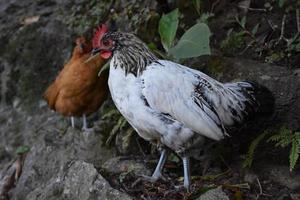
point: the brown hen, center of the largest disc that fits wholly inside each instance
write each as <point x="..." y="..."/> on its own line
<point x="78" y="90"/>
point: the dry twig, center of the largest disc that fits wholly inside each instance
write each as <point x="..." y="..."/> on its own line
<point x="10" y="176"/>
<point x="260" y="190"/>
<point x="282" y="30"/>
<point x="252" y="9"/>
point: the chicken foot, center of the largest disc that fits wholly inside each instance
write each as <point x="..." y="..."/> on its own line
<point x="85" y="124"/>
<point x="157" y="174"/>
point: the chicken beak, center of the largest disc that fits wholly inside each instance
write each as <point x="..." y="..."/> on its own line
<point x="91" y="57"/>
<point x="95" y="51"/>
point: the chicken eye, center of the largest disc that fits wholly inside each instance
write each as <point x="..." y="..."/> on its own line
<point x="106" y="43"/>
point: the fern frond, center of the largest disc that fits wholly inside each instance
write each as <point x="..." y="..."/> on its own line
<point x="275" y="138"/>
<point x="283" y="138"/>
<point x="297" y="137"/>
<point x="249" y="157"/>
<point x="294" y="154"/>
<point x="110" y="113"/>
<point x="284" y="142"/>
<point x="120" y="124"/>
<point x="127" y="138"/>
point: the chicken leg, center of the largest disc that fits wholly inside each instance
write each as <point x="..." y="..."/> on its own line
<point x="72" y="122"/>
<point x="157" y="174"/>
<point x="84" y="122"/>
<point x="186" y="172"/>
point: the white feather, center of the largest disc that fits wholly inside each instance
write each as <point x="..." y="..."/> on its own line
<point x="162" y="104"/>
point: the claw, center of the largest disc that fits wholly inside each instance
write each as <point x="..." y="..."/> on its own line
<point x="154" y="177"/>
<point x="157" y="172"/>
<point x="151" y="179"/>
<point x="87" y="130"/>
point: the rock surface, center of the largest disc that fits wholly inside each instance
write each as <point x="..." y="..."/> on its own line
<point x="214" y="194"/>
<point x="281" y="175"/>
<point x="120" y="165"/>
<point x="55" y="169"/>
<point x="76" y="180"/>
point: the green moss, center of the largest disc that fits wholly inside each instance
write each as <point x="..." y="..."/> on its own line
<point x="233" y="42"/>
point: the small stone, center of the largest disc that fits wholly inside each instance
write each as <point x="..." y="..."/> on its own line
<point x="120" y="165"/>
<point x="295" y="196"/>
<point x="214" y="194"/>
<point x="297" y="72"/>
<point x="265" y="77"/>
<point x="250" y="178"/>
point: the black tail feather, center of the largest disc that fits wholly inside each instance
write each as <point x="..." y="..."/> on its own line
<point x="263" y="98"/>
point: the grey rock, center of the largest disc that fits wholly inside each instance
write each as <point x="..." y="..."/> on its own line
<point x="265" y="77"/>
<point x="81" y="181"/>
<point x="120" y="165"/>
<point x="295" y="196"/>
<point x="214" y="194"/>
<point x="250" y="177"/>
<point x="281" y="175"/>
<point x="297" y="72"/>
<point x="54" y="168"/>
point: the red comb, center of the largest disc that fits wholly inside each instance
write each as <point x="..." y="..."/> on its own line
<point x="99" y="32"/>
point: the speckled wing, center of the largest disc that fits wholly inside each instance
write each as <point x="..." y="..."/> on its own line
<point x="184" y="94"/>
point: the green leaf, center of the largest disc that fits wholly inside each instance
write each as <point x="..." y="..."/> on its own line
<point x="197" y="5"/>
<point x="110" y="113"/>
<point x="23" y="149"/>
<point x="152" y="46"/>
<point x="127" y="138"/>
<point x="294" y="154"/>
<point x="193" y="43"/>
<point x="283" y="139"/>
<point x="254" y="30"/>
<point x="297" y="137"/>
<point x="120" y="124"/>
<point x="167" y="29"/>
<point x="250" y="155"/>
<point x="281" y="3"/>
<point x="205" y="17"/>
<point x="173" y="157"/>
<point x="243" y="22"/>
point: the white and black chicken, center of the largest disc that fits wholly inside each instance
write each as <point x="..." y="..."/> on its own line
<point x="167" y="103"/>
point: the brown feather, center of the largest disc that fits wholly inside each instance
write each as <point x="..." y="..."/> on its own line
<point x="77" y="89"/>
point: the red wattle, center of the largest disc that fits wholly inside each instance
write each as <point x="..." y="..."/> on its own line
<point x="105" y="54"/>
